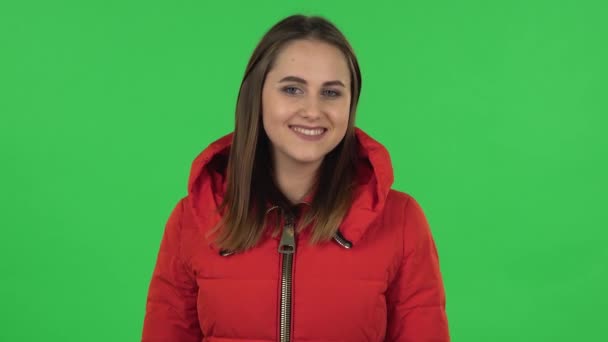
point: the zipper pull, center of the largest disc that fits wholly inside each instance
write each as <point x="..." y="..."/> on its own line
<point x="288" y="241"/>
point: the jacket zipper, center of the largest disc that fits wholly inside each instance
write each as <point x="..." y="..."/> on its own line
<point x="287" y="249"/>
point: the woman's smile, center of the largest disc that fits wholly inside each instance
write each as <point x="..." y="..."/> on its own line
<point x="309" y="134"/>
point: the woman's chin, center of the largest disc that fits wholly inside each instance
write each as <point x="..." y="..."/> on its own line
<point x="308" y="160"/>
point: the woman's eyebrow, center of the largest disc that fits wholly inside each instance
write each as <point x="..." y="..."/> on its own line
<point x="303" y="81"/>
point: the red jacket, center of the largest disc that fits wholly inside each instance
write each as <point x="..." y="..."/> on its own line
<point x="379" y="280"/>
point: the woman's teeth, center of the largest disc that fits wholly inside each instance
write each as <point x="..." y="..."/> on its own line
<point x="311" y="132"/>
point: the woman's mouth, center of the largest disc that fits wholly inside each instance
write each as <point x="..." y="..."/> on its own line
<point x="309" y="133"/>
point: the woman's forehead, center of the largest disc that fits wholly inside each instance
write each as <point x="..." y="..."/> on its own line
<point x="313" y="61"/>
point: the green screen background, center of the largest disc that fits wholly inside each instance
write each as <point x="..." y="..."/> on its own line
<point x="494" y="113"/>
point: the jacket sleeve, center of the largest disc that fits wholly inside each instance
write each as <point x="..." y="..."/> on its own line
<point x="171" y="313"/>
<point x="416" y="297"/>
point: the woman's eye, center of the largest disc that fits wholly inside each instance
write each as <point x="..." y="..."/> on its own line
<point x="332" y="93"/>
<point x="326" y="92"/>
<point x="290" y="90"/>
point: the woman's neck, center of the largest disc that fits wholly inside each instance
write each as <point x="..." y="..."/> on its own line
<point x="295" y="180"/>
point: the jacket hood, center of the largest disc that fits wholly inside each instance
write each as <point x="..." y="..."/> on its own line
<point x="207" y="184"/>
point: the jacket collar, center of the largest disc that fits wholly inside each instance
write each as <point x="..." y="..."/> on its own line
<point x="207" y="184"/>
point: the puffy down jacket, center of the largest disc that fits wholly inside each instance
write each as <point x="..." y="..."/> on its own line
<point x="378" y="280"/>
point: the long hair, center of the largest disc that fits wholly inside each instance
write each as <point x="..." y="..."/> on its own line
<point x="250" y="182"/>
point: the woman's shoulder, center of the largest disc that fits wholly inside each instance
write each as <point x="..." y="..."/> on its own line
<point x="398" y="197"/>
<point x="403" y="203"/>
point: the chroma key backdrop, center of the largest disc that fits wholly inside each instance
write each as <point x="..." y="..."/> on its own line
<point x="494" y="113"/>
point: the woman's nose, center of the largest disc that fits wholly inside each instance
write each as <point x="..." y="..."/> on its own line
<point x="312" y="108"/>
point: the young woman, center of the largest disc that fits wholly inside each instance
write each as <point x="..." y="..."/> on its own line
<point x="290" y="230"/>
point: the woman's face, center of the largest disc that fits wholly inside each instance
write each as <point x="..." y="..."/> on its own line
<point x="305" y="102"/>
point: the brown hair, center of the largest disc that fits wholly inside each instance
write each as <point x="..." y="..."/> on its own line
<point x="250" y="181"/>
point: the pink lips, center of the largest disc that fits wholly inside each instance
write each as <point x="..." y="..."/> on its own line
<point x="307" y="127"/>
<point x="308" y="137"/>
